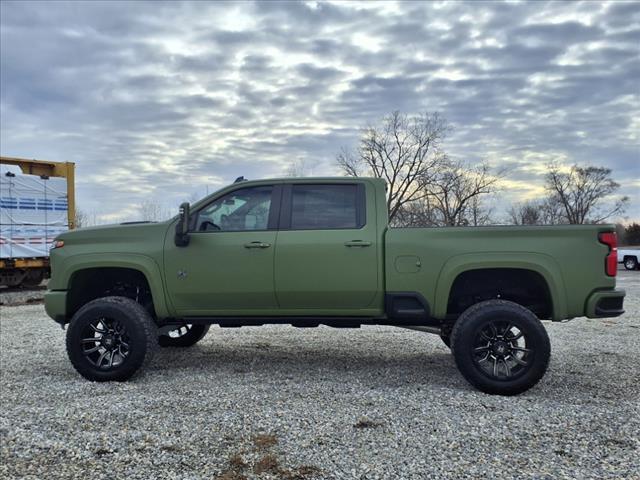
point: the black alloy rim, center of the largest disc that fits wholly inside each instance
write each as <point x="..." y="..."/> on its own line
<point x="502" y="350"/>
<point x="105" y="343"/>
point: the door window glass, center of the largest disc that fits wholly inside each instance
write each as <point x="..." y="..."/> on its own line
<point x="316" y="207"/>
<point x="241" y="210"/>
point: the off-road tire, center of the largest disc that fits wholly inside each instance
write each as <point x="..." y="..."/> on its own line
<point x="141" y="336"/>
<point x="194" y="334"/>
<point x="468" y="331"/>
<point x="446" y="339"/>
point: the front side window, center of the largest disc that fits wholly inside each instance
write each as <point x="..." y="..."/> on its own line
<point x="244" y="209"/>
<point x="317" y="207"/>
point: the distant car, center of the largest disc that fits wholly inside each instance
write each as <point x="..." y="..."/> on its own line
<point x="630" y="258"/>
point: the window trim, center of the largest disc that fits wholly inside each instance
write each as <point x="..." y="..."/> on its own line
<point x="286" y="209"/>
<point x="274" y="210"/>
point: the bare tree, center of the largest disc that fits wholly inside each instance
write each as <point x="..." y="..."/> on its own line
<point x="582" y="191"/>
<point x="479" y="212"/>
<point x="546" y="211"/>
<point x="403" y="150"/>
<point x="83" y="218"/>
<point x="632" y="234"/>
<point x="456" y="192"/>
<point x="454" y="197"/>
<point x="80" y="218"/>
<point x="152" y="211"/>
<point x="299" y="168"/>
<point x="526" y="213"/>
<point x="419" y="213"/>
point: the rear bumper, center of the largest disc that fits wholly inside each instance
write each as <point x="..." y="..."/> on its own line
<point x="605" y="303"/>
<point x="55" y="304"/>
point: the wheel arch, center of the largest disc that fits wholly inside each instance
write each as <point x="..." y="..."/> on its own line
<point x="539" y="264"/>
<point x="80" y="267"/>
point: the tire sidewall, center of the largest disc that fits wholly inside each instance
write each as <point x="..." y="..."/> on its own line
<point x="469" y="325"/>
<point x="136" y="332"/>
<point x="446" y="339"/>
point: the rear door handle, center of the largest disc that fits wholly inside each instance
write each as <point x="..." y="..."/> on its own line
<point x="257" y="245"/>
<point x="357" y="243"/>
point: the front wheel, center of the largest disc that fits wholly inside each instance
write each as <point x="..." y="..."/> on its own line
<point x="110" y="338"/>
<point x="630" y="263"/>
<point x="184" y="336"/>
<point x="500" y="347"/>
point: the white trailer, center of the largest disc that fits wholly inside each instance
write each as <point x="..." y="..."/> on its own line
<point x="36" y="205"/>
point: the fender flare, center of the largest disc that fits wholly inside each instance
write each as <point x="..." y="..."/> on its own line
<point x="142" y="263"/>
<point x="542" y="264"/>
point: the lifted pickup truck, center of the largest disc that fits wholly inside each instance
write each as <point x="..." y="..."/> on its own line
<point x="318" y="251"/>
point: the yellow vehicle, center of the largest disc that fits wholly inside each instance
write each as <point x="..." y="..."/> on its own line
<point x="19" y="265"/>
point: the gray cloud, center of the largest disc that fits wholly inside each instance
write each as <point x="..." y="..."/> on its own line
<point x="162" y="100"/>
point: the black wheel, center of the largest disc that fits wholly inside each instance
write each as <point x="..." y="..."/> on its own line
<point x="630" y="263"/>
<point x="446" y="339"/>
<point x="110" y="338"/>
<point x="500" y="347"/>
<point x="184" y="336"/>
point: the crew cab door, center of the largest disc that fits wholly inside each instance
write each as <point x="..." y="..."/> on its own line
<point x="326" y="254"/>
<point x="227" y="268"/>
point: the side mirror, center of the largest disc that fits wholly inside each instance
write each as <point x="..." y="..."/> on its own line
<point x="182" y="228"/>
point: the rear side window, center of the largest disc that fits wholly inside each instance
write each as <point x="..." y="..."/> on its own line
<point x="317" y="207"/>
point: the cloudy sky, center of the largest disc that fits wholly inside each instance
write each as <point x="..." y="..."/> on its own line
<point x="163" y="101"/>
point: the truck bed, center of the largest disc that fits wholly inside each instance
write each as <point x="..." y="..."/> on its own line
<point x="434" y="257"/>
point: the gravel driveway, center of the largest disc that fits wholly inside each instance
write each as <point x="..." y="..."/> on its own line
<point x="284" y="403"/>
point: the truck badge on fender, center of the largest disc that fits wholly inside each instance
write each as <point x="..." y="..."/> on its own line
<point x="182" y="274"/>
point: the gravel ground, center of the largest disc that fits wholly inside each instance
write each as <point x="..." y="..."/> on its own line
<point x="11" y="297"/>
<point x="283" y="403"/>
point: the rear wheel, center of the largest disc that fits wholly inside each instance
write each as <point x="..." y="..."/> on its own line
<point x="111" y="338"/>
<point x="184" y="336"/>
<point x="630" y="263"/>
<point x="500" y="347"/>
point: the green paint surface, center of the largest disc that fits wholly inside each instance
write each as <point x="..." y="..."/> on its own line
<point x="315" y="273"/>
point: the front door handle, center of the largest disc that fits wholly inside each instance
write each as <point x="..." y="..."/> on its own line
<point x="257" y="245"/>
<point x="357" y="243"/>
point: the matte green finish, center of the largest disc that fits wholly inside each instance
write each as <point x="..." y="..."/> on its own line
<point x="138" y="246"/>
<point x="597" y="296"/>
<point x="315" y="270"/>
<point x="569" y="257"/>
<point x="314" y="273"/>
<point x="56" y="305"/>
<point x="218" y="273"/>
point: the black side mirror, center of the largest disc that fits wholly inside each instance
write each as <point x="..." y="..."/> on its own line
<point x="182" y="228"/>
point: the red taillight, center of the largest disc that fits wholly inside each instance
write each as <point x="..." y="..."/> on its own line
<point x="611" y="260"/>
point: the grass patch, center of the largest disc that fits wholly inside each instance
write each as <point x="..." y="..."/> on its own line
<point x="367" y="423"/>
<point x="267" y="464"/>
<point x="265" y="440"/>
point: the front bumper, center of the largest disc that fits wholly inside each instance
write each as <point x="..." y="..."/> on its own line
<point x="605" y="303"/>
<point x="55" y="304"/>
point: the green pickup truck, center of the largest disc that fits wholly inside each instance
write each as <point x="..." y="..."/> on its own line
<point x="319" y="251"/>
